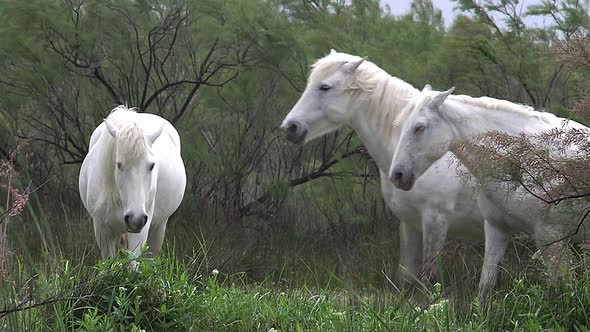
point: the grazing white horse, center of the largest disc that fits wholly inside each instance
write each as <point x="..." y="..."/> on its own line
<point x="347" y="90"/>
<point x="132" y="180"/>
<point x="429" y="127"/>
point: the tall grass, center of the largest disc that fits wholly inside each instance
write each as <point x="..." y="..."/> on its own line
<point x="297" y="273"/>
<point x="167" y="293"/>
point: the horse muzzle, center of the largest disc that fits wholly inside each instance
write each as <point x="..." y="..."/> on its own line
<point x="135" y="223"/>
<point x="402" y="180"/>
<point x="295" y="131"/>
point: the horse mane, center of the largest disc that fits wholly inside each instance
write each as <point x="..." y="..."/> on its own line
<point x="130" y="143"/>
<point x="487" y="103"/>
<point x="128" y="146"/>
<point x="494" y="104"/>
<point x="387" y="95"/>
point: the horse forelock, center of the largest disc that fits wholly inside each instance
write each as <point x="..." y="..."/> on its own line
<point x="418" y="102"/>
<point x="130" y="142"/>
<point x="364" y="75"/>
<point x="387" y="95"/>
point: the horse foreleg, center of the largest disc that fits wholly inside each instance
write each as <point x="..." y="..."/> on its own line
<point x="434" y="234"/>
<point x="156" y="237"/>
<point x="410" y="252"/>
<point x="496" y="242"/>
<point x="136" y="241"/>
<point x="107" y="242"/>
<point x="555" y="252"/>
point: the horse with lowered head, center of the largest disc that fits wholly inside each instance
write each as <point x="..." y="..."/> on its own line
<point x="132" y="179"/>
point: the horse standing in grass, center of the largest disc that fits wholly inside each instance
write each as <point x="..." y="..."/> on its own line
<point x="132" y="180"/>
<point x="430" y="127"/>
<point x="347" y="90"/>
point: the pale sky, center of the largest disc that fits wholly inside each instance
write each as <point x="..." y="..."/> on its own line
<point x="399" y="7"/>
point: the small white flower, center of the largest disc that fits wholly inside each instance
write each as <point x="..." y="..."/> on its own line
<point x="215" y="272"/>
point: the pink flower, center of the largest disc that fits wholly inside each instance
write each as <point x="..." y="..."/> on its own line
<point x="19" y="201"/>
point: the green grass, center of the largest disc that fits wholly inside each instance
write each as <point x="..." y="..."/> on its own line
<point x="281" y="278"/>
<point x="168" y="294"/>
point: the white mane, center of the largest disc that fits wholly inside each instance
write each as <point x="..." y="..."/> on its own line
<point x="130" y="143"/>
<point x="387" y="95"/>
<point x="129" y="146"/>
<point x="487" y="103"/>
<point x="495" y="104"/>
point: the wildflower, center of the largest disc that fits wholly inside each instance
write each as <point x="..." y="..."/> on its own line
<point x="18" y="201"/>
<point x="215" y="272"/>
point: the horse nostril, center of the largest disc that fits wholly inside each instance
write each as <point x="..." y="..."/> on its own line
<point x="398" y="175"/>
<point x="292" y="128"/>
<point x="127" y="217"/>
<point x="145" y="218"/>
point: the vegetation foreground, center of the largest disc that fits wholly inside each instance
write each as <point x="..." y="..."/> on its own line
<point x="168" y="294"/>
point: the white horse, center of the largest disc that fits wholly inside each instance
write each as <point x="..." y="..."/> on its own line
<point x="347" y="90"/>
<point x="132" y="180"/>
<point x="431" y="124"/>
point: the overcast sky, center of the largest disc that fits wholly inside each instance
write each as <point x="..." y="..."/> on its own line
<point x="399" y="7"/>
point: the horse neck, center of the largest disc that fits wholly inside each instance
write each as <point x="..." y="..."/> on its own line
<point x="467" y="121"/>
<point x="375" y="114"/>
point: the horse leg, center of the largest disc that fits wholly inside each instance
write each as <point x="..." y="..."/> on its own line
<point x="136" y="241"/>
<point x="156" y="237"/>
<point x="496" y="242"/>
<point x="410" y="252"/>
<point x="555" y="251"/>
<point x="434" y="234"/>
<point x="107" y="242"/>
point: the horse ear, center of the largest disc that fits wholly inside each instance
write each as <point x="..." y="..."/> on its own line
<point x="332" y="51"/>
<point x="350" y="67"/>
<point x="112" y="130"/>
<point x="427" y="87"/>
<point x="152" y="137"/>
<point x="440" y="97"/>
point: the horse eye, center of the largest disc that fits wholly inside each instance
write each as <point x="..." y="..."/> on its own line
<point x="152" y="166"/>
<point x="325" y="87"/>
<point x="119" y="166"/>
<point x="419" y="129"/>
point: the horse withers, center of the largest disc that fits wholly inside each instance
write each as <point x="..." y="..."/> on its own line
<point x="132" y="179"/>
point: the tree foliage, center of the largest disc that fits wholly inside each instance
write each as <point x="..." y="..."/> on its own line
<point x="226" y="72"/>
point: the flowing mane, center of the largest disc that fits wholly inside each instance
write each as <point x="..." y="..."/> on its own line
<point x="387" y="95"/>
